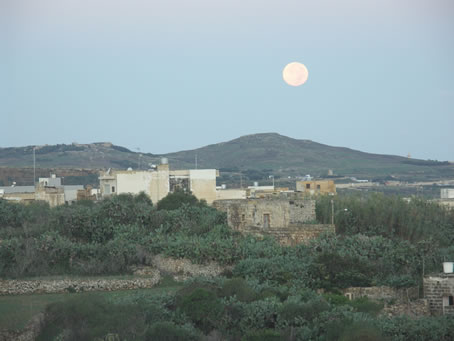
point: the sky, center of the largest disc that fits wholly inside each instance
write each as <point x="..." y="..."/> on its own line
<point x="170" y="75"/>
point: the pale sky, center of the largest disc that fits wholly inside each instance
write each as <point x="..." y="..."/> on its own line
<point x="171" y="75"/>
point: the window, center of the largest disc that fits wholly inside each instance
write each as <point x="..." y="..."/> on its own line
<point x="266" y="220"/>
<point x="243" y="217"/>
<point x="308" y="186"/>
<point x="318" y="187"/>
<point x="451" y="300"/>
<point x="113" y="189"/>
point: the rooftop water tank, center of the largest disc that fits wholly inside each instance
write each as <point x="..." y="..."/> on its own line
<point x="448" y="267"/>
<point x="164" y="161"/>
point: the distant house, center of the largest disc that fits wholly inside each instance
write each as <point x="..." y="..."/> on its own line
<point x="439" y="292"/>
<point x="49" y="190"/>
<point x="159" y="182"/>
<point x="288" y="217"/>
<point x="315" y="187"/>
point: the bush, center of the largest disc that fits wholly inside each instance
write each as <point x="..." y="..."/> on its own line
<point x="168" y="331"/>
<point x="203" y="308"/>
<point x="176" y="200"/>
<point x="239" y="288"/>
<point x="263" y="335"/>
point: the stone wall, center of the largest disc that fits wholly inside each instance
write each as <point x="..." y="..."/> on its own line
<point x="285" y="218"/>
<point x="182" y="269"/>
<point x="47" y="286"/>
<point x="382" y="293"/>
<point x="439" y="292"/>
<point x="293" y="235"/>
<point x="144" y="277"/>
<point x="396" y="301"/>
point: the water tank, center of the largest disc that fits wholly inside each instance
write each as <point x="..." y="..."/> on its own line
<point x="256" y="184"/>
<point x="448" y="267"/>
<point x="223" y="186"/>
<point x="164" y="161"/>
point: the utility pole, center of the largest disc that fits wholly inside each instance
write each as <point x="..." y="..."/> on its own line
<point x="332" y="212"/>
<point x="195" y="160"/>
<point x="34" y="166"/>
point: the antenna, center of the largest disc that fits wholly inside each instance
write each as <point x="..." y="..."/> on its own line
<point x="140" y="158"/>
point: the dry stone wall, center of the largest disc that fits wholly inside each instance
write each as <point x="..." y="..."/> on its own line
<point x="293" y="235"/>
<point x="382" y="293"/>
<point x="41" y="286"/>
<point x="182" y="269"/>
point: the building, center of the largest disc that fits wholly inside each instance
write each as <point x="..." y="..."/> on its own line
<point x="49" y="189"/>
<point x="439" y="292"/>
<point x="289" y="217"/>
<point x="315" y="187"/>
<point x="447" y="193"/>
<point x="160" y="181"/>
<point x="22" y="194"/>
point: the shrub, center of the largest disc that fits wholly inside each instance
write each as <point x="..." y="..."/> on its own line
<point x="203" y="308"/>
<point x="168" y="331"/>
<point x="263" y="335"/>
<point x="238" y="287"/>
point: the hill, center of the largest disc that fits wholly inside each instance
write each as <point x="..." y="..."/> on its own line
<point x="254" y="156"/>
<point x="287" y="156"/>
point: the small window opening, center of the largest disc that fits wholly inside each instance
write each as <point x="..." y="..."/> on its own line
<point x="266" y="220"/>
<point x="451" y="300"/>
<point x="308" y="186"/>
<point x="243" y="217"/>
<point x="113" y="189"/>
<point x="318" y="186"/>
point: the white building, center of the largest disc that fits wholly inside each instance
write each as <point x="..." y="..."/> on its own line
<point x="159" y="182"/>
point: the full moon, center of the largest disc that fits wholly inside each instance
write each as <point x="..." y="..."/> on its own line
<point x="295" y="74"/>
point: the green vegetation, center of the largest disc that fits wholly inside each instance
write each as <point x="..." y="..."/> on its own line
<point x="269" y="291"/>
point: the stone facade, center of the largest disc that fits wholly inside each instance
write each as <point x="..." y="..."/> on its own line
<point x="439" y="292"/>
<point x="316" y="187"/>
<point x="287" y="218"/>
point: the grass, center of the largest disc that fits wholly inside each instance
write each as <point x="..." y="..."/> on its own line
<point x="16" y="311"/>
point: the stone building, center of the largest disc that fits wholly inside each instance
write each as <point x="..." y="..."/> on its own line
<point x="439" y="292"/>
<point x="315" y="187"/>
<point x="159" y="182"/>
<point x="289" y="218"/>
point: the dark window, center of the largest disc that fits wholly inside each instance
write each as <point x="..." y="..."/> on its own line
<point x="266" y="220"/>
<point x="318" y="186"/>
<point x="291" y="202"/>
<point x="451" y="300"/>
<point x="308" y="186"/>
<point x="113" y="189"/>
<point x="243" y="217"/>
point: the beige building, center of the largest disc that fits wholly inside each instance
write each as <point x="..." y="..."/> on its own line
<point x="159" y="182"/>
<point x="315" y="187"/>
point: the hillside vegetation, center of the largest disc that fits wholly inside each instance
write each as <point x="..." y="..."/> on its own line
<point x="254" y="156"/>
<point x="271" y="292"/>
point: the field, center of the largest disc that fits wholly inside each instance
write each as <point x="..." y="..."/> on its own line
<point x="16" y="311"/>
